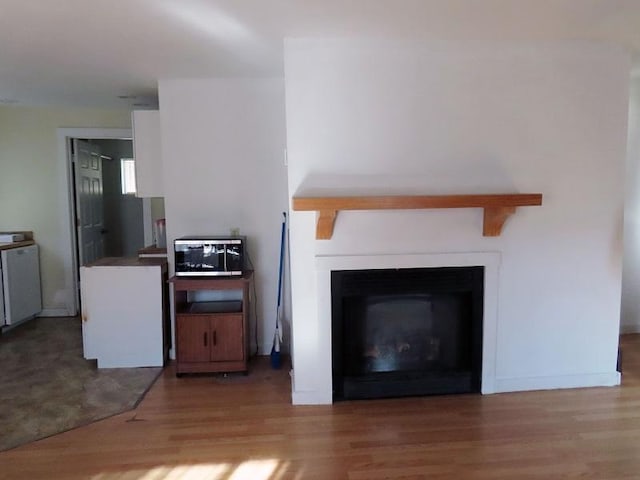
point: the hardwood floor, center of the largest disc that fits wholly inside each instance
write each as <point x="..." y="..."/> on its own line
<point x="245" y="428"/>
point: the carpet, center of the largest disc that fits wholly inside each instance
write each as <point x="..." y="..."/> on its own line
<point x="47" y="387"/>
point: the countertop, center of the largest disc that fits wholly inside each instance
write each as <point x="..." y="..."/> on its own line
<point x="7" y="246"/>
<point x="128" y="262"/>
<point x="152" y="250"/>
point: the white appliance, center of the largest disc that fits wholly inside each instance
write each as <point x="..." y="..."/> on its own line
<point x="20" y="296"/>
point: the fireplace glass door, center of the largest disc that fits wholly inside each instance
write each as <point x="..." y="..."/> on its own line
<point x="406" y="332"/>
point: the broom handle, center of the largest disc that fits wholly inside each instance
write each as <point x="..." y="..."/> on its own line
<point x="280" y="271"/>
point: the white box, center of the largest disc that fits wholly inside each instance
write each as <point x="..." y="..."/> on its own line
<point x="11" y="237"/>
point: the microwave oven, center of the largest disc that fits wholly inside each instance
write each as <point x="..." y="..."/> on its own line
<point x="209" y="256"/>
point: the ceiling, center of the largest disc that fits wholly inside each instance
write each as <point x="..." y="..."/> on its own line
<point x="92" y="52"/>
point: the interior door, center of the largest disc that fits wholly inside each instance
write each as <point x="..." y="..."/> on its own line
<point x="89" y="201"/>
<point x="2" y="317"/>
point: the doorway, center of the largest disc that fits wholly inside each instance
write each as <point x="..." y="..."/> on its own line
<point x="110" y="218"/>
<point x="68" y="219"/>
<point x="123" y="210"/>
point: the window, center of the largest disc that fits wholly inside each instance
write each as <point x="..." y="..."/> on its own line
<point x="128" y="176"/>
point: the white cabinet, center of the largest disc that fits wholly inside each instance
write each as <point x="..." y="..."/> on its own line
<point x="20" y="298"/>
<point x="147" y="153"/>
<point x="124" y="312"/>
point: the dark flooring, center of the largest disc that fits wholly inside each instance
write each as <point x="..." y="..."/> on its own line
<point x="47" y="387"/>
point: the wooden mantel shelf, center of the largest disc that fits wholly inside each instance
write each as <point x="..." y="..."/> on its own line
<point x="497" y="207"/>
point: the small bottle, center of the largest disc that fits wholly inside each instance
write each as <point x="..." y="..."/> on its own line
<point x="161" y="233"/>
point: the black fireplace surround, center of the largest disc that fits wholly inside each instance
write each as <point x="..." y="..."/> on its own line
<point x="402" y="332"/>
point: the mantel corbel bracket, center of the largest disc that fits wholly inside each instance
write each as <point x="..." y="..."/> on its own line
<point x="326" y="222"/>
<point x="497" y="208"/>
<point x="494" y="218"/>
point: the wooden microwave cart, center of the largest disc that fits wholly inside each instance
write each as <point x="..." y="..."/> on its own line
<point x="211" y="336"/>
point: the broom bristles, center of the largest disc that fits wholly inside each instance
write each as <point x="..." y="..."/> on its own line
<point x="276" y="342"/>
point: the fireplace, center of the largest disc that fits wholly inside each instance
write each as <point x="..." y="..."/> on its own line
<point x="410" y="331"/>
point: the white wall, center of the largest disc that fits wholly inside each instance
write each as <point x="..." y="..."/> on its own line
<point x="31" y="180"/>
<point x="452" y="118"/>
<point x="630" y="317"/>
<point x="222" y="148"/>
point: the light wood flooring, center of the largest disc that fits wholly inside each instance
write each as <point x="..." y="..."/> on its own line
<point x="245" y="428"/>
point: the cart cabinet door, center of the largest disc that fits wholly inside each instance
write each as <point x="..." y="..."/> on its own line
<point x="228" y="339"/>
<point x="194" y="338"/>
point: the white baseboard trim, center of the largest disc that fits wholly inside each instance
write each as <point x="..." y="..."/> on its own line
<point x="55" y="312"/>
<point x="311" y="398"/>
<point x="629" y="329"/>
<point x="265" y="349"/>
<point x="504" y="385"/>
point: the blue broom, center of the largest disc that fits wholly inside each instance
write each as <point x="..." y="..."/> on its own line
<point x="277" y="337"/>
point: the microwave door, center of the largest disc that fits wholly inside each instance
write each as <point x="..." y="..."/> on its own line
<point x="226" y="269"/>
<point x="234" y="258"/>
<point x="183" y="258"/>
<point x="209" y="257"/>
<point x="198" y="258"/>
<point x="213" y="258"/>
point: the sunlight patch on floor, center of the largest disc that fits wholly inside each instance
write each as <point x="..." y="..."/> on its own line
<point x="254" y="470"/>
<point x="187" y="472"/>
<point x="249" y="470"/>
